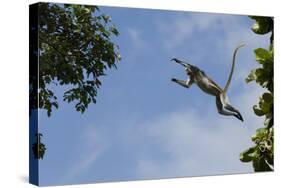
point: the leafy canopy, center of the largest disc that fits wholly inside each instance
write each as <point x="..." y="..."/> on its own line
<point x="38" y="147"/>
<point x="262" y="154"/>
<point x="75" y="48"/>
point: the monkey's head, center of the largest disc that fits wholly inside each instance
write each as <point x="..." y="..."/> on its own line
<point x="190" y="69"/>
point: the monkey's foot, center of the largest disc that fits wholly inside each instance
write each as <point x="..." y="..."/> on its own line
<point x="174" y="80"/>
<point x="175" y="59"/>
<point x="239" y="116"/>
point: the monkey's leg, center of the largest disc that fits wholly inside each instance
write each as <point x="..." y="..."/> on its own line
<point x="231" y="108"/>
<point x="185" y="84"/>
<point x="221" y="109"/>
<point x="226" y="104"/>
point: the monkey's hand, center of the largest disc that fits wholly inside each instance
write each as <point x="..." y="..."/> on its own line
<point x="176" y="60"/>
<point x="181" y="82"/>
<point x="174" y="80"/>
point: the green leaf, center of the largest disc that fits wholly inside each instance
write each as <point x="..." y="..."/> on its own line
<point x="78" y="30"/>
<point x="119" y="57"/>
<point x="114" y="31"/>
<point x="106" y="18"/>
<point x="260" y="133"/>
<point x="248" y="155"/>
<point x="263" y="25"/>
<point x="258" y="111"/>
<point x="268" y="122"/>
<point x="49" y="112"/>
<point x="267" y="97"/>
<point x="252" y="76"/>
<point x="67" y="5"/>
<point x="262" y="55"/>
<point x="86" y="10"/>
<point x="265" y="107"/>
<point x="259" y="29"/>
<point x="260" y="165"/>
<point x="38" y="147"/>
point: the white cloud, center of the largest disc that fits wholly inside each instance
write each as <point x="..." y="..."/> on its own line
<point x="190" y="142"/>
<point x="182" y="31"/>
<point x="94" y="144"/>
<point x="135" y="38"/>
<point x="201" y="142"/>
<point x="177" y="32"/>
<point x="135" y="45"/>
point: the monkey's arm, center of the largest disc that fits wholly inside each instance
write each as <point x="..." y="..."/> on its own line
<point x="186" y="83"/>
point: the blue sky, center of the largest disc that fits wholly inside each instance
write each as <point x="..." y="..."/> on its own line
<point x="143" y="125"/>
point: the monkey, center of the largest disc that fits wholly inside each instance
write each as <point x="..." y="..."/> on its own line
<point x="207" y="85"/>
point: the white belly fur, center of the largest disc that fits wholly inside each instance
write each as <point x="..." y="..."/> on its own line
<point x="208" y="88"/>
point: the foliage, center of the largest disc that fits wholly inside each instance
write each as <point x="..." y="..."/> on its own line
<point x="75" y="48"/>
<point x="38" y="147"/>
<point x="263" y="25"/>
<point x="262" y="154"/>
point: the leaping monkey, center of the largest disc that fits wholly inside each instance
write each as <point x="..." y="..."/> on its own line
<point x="206" y="84"/>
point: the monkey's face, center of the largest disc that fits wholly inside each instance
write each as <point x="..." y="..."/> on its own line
<point x="193" y="70"/>
<point x="188" y="72"/>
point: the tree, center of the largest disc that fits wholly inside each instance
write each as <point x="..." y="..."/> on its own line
<point x="38" y="147"/>
<point x="262" y="154"/>
<point x="74" y="49"/>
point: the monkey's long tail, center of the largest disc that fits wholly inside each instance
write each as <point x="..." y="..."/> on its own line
<point x="232" y="68"/>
